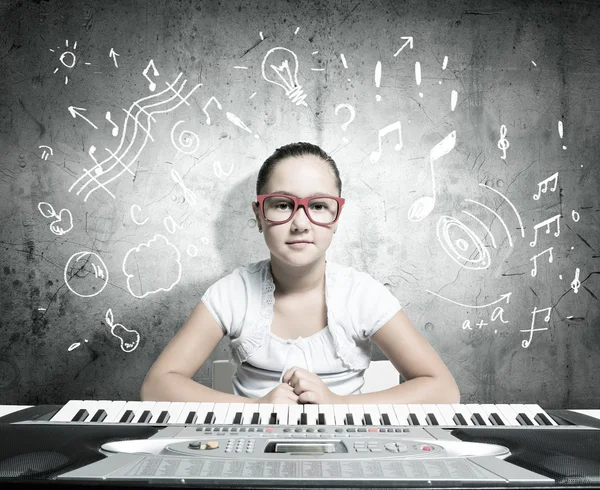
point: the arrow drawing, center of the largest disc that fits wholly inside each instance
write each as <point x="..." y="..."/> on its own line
<point x="114" y="55"/>
<point x="505" y="296"/>
<point x="74" y="113"/>
<point x="409" y="40"/>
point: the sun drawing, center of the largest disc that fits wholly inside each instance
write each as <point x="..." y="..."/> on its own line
<point x="68" y="58"/>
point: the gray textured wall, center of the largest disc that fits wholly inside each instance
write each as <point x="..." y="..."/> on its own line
<point x="522" y="65"/>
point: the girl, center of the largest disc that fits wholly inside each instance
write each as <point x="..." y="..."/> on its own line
<point x="300" y="326"/>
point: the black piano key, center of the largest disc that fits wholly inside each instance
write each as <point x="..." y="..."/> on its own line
<point x="412" y="419"/>
<point x="495" y="419"/>
<point x="477" y="419"/>
<point x="273" y="419"/>
<point x="191" y="418"/>
<point x="163" y="418"/>
<point x="145" y="417"/>
<point x="459" y="419"/>
<point x="367" y="419"/>
<point x="80" y="416"/>
<point x="321" y="419"/>
<point x="431" y="420"/>
<point x="210" y="418"/>
<point x="238" y="418"/>
<point x="523" y="419"/>
<point x="541" y="419"/>
<point x="303" y="418"/>
<point x="349" y="419"/>
<point x="127" y="417"/>
<point x="385" y="419"/>
<point x="255" y="418"/>
<point x="99" y="416"/>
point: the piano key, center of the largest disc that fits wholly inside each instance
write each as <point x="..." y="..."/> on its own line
<point x="402" y="412"/>
<point x="97" y="409"/>
<point x="339" y="411"/>
<point x="493" y="415"/>
<point x="127" y="412"/>
<point x="209" y="419"/>
<point x="524" y="419"/>
<point x="419" y="413"/>
<point x="186" y="410"/>
<point x="508" y="413"/>
<point x="367" y="419"/>
<point x="145" y="417"/>
<point x="273" y="419"/>
<point x="294" y="412"/>
<point x="385" y="419"/>
<point x="248" y="412"/>
<point x="460" y="420"/>
<point x="238" y="419"/>
<point x="157" y="409"/>
<point x="303" y="418"/>
<point x="126" y="417"/>
<point x="113" y="409"/>
<point x="539" y="412"/>
<point x="495" y="419"/>
<point x="281" y="409"/>
<point x="81" y="415"/>
<point x="265" y="410"/>
<point x="372" y="410"/>
<point x="220" y="410"/>
<point x="431" y="419"/>
<point x="413" y="419"/>
<point x="459" y="408"/>
<point x="68" y="411"/>
<point x="477" y="414"/>
<point x="329" y="413"/>
<point x="312" y="412"/>
<point x="387" y="410"/>
<point x="99" y="416"/>
<point x="163" y="417"/>
<point x="446" y="414"/>
<point x="203" y="410"/>
<point x="232" y="410"/>
<point x="255" y="418"/>
<point x="521" y="410"/>
<point x="430" y="408"/>
<point x="357" y="413"/>
<point x="349" y="420"/>
<point x="321" y="419"/>
<point x="478" y="419"/>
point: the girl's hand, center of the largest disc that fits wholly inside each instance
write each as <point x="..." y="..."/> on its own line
<point x="309" y="387"/>
<point x="282" y="393"/>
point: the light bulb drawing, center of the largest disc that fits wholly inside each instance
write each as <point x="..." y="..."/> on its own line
<point x="67" y="58"/>
<point x="282" y="65"/>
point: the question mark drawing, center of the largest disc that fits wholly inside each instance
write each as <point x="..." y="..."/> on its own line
<point x="347" y="123"/>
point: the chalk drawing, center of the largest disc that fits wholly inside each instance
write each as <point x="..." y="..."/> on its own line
<point x="45" y="153"/>
<point x="547" y="224"/>
<point x="113" y="54"/>
<point x="239" y="123"/>
<point x="423" y="206"/>
<point x="74" y="112"/>
<point x="534" y="259"/>
<point x="396" y="126"/>
<point x="503" y="143"/>
<point x="497" y="313"/>
<point x="445" y="63"/>
<point x="156" y="250"/>
<point x="170" y="224"/>
<point x="207" y="104"/>
<point x="470" y="256"/>
<point x="378" y="79"/>
<point x="513" y="207"/>
<point x="188" y="194"/>
<point x="560" y="132"/>
<point x="188" y="142"/>
<point x="575" y="284"/>
<point x="86" y="274"/>
<point x="575" y="216"/>
<point x="543" y="185"/>
<point x="68" y="58"/>
<point x="284" y="73"/>
<point x="453" y="99"/>
<point x="122" y="158"/>
<point x="74" y="345"/>
<point x="418" y="75"/>
<point x="115" y="129"/>
<point x="130" y="339"/>
<point x="503" y="297"/>
<point x="135" y="209"/>
<point x="352" y="116"/>
<point x="64" y="219"/>
<point x="152" y="85"/>
<point x="409" y="43"/>
<point x="192" y="250"/>
<point x="219" y="172"/>
<point x="488" y="231"/>
<point x="343" y="58"/>
<point x="502" y="222"/>
<point x="527" y="342"/>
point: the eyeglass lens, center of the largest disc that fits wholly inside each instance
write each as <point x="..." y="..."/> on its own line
<point x="321" y="210"/>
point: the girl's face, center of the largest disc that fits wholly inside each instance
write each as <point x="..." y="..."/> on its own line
<point x="301" y="177"/>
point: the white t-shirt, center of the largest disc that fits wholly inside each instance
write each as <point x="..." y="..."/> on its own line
<point x="242" y="304"/>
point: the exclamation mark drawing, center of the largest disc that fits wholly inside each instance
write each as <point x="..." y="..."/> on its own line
<point x="444" y="65"/>
<point x="378" y="79"/>
<point x="560" y="132"/>
<point x="418" y="76"/>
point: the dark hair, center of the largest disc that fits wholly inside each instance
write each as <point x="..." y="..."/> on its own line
<point x="295" y="150"/>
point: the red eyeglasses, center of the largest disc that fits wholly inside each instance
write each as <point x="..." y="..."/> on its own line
<point x="280" y="208"/>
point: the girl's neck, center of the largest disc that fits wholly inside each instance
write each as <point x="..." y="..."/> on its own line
<point x="301" y="280"/>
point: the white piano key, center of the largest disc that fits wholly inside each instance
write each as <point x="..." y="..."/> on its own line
<point x="92" y="406"/>
<point x="248" y="412"/>
<point x="475" y="408"/>
<point x="143" y="406"/>
<point x="534" y="408"/>
<point x="312" y="413"/>
<point x="221" y="410"/>
<point x="357" y="413"/>
<point x="419" y="412"/>
<point x="203" y="410"/>
<point x="521" y="408"/>
<point x="113" y="410"/>
<point x="462" y="409"/>
<point x="489" y="409"/>
<point x="401" y="410"/>
<point x="294" y="412"/>
<point x="389" y="410"/>
<point x="340" y="410"/>
<point x="329" y="412"/>
<point x="281" y="409"/>
<point x="433" y="409"/>
<point x="130" y="405"/>
<point x="265" y="410"/>
<point x="232" y="410"/>
<point x="373" y="411"/>
<point x="447" y="413"/>
<point x="68" y="411"/>
<point x="157" y="409"/>
<point x="509" y="414"/>
<point x="185" y="411"/>
<point x="174" y="410"/>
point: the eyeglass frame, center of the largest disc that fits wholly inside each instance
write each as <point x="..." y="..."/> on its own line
<point x="297" y="203"/>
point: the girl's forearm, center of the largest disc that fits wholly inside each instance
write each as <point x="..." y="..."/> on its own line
<point x="175" y="387"/>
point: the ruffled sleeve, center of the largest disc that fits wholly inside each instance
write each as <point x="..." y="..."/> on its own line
<point x="227" y="301"/>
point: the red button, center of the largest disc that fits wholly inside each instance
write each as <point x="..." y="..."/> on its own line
<point x="372" y="430"/>
<point x="426" y="448"/>
<point x="269" y="429"/>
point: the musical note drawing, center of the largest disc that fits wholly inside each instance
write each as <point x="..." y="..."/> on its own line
<point x="525" y="343"/>
<point x="576" y="283"/>
<point x="115" y="129"/>
<point x="207" y="104"/>
<point x="132" y="337"/>
<point x="547" y="224"/>
<point x="152" y="85"/>
<point x="543" y="185"/>
<point x="503" y="143"/>
<point x="376" y="155"/>
<point x="423" y="206"/>
<point x="189" y="195"/>
<point x="534" y="259"/>
<point x="121" y="159"/>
